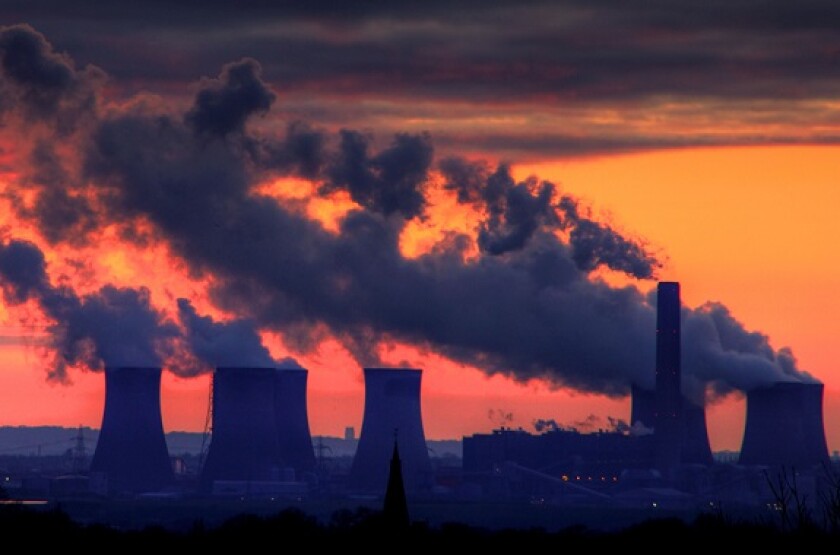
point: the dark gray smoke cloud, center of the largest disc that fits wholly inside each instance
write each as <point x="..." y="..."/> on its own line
<point x="64" y="214"/>
<point x="112" y="327"/>
<point x="302" y="152"/>
<point x="41" y="84"/>
<point x="595" y="244"/>
<point x="389" y="182"/>
<point x="518" y="57"/>
<point x="233" y="343"/>
<point x="23" y="270"/>
<point x="516" y="211"/>
<point x="712" y="337"/>
<point x="514" y="214"/>
<point x="119" y="326"/>
<point x="526" y="306"/>
<point x="223" y="105"/>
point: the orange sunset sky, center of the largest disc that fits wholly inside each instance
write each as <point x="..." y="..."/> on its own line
<point x="726" y="173"/>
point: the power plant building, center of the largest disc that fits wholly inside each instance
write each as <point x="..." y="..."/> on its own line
<point x="668" y="419"/>
<point x="392" y="406"/>
<point x="131" y="452"/>
<point x="244" y="442"/>
<point x="291" y="420"/>
<point x="784" y="426"/>
<point x="695" y="436"/>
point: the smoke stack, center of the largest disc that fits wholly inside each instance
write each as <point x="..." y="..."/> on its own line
<point x="668" y="418"/>
<point x="785" y="426"/>
<point x="244" y="438"/>
<point x="695" y="435"/>
<point x="392" y="402"/>
<point x="292" y="421"/>
<point x="131" y="451"/>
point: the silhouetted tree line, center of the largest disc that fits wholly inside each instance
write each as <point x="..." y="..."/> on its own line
<point x="366" y="528"/>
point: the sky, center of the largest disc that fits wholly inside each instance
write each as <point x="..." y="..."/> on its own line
<point x="488" y="193"/>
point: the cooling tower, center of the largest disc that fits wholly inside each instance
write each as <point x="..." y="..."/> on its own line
<point x="695" y="436"/>
<point x="392" y="405"/>
<point x="131" y="450"/>
<point x="695" y="444"/>
<point x="785" y="426"/>
<point x="292" y="422"/>
<point x="243" y="444"/>
<point x="668" y="423"/>
<point x="642" y="407"/>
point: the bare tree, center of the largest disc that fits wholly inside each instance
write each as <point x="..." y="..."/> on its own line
<point x="830" y="498"/>
<point x="790" y="502"/>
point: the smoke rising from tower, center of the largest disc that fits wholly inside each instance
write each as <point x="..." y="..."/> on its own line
<point x="536" y="246"/>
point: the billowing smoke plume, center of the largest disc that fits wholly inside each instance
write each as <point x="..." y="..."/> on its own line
<point x="517" y="211"/>
<point x="224" y="105"/>
<point x="112" y="327"/>
<point x="526" y="306"/>
<point x="712" y="338"/>
<point x="41" y="85"/>
<point x="391" y="181"/>
<point x="234" y="343"/>
<point x="120" y="327"/>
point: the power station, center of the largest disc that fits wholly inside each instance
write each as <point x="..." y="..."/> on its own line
<point x="261" y="439"/>
<point x="244" y="443"/>
<point x="392" y="409"/>
<point x="131" y="452"/>
<point x="292" y="421"/>
<point x="668" y="418"/>
<point x="696" y="448"/>
<point x="785" y="426"/>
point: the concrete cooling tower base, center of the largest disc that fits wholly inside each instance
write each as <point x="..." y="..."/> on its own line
<point x="392" y="405"/>
<point x="695" y="437"/>
<point x="131" y="452"/>
<point x="292" y="422"/>
<point x="243" y="445"/>
<point x="785" y="426"/>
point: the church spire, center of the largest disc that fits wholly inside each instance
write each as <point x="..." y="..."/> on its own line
<point x="395" y="508"/>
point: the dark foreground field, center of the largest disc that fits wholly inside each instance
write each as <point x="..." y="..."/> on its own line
<point x="36" y="529"/>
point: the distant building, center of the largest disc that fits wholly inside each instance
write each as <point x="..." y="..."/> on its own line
<point x="565" y="454"/>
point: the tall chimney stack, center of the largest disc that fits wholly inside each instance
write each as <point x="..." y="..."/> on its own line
<point x="669" y="412"/>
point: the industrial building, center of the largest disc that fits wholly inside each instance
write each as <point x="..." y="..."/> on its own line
<point x="244" y="444"/>
<point x="785" y="426"/>
<point x="292" y="421"/>
<point x="695" y="436"/>
<point x="131" y="453"/>
<point x="260" y="442"/>
<point x="668" y="418"/>
<point x="392" y="409"/>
